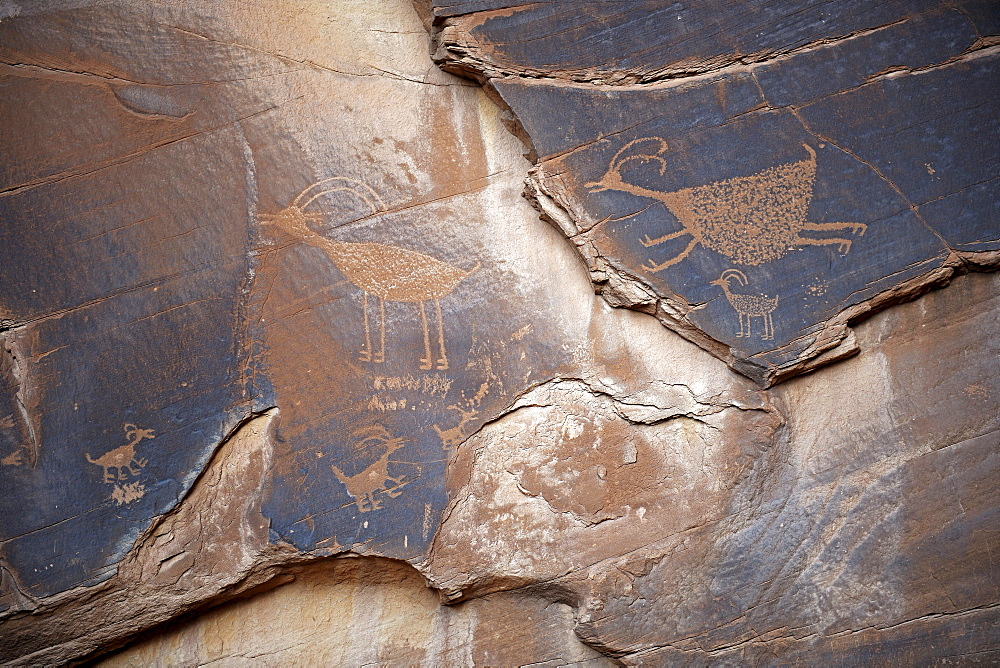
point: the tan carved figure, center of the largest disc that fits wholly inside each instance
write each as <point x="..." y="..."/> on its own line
<point x="15" y="458"/>
<point x="455" y="435"/>
<point x="364" y="486"/>
<point x="389" y="273"/>
<point x="123" y="457"/>
<point x="749" y="219"/>
<point x="748" y="306"/>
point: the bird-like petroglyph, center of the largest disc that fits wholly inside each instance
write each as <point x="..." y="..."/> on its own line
<point x="124" y="463"/>
<point x="750" y="219"/>
<point x="366" y="487"/>
<point x="389" y="273"/>
<point x="748" y="306"/>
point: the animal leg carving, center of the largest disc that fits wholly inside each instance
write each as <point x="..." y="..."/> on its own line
<point x="425" y="361"/>
<point x="395" y="489"/>
<point x="139" y="463"/>
<point x="442" y="362"/>
<point x="648" y="243"/>
<point x="857" y="228"/>
<point x="366" y="351"/>
<point x="653" y="267"/>
<point x="380" y="355"/>
<point x="843" y="245"/>
<point x="741" y="334"/>
<point x="768" y="326"/>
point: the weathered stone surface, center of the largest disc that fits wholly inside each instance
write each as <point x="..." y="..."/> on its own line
<point x="213" y="545"/>
<point x="158" y="292"/>
<point x="369" y="612"/>
<point x="757" y="179"/>
<point x="271" y="297"/>
<point x="843" y="533"/>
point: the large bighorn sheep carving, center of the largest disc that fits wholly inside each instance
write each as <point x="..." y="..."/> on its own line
<point x="749" y="219"/>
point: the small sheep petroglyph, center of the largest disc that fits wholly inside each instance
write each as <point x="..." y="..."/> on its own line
<point x="748" y="306"/>
<point x="123" y="458"/>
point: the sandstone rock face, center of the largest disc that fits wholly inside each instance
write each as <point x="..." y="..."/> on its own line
<point x="279" y="324"/>
<point x="369" y="612"/>
<point x="756" y="178"/>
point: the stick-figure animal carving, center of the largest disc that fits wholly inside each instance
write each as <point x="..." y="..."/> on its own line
<point x="389" y="273"/>
<point x="748" y="306"/>
<point x="455" y="435"/>
<point x="123" y="457"/>
<point x="749" y="219"/>
<point x="363" y="487"/>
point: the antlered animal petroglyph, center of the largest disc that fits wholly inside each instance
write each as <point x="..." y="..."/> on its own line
<point x="748" y="306"/>
<point x="363" y="487"/>
<point x="749" y="219"/>
<point x="390" y="273"/>
<point x="123" y="458"/>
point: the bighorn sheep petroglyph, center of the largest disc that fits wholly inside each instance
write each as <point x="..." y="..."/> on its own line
<point x="748" y="306"/>
<point x="363" y="486"/>
<point x="749" y="219"/>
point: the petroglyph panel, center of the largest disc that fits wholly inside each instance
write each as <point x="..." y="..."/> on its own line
<point x="191" y="241"/>
<point x="384" y="355"/>
<point x="849" y="154"/>
<point x="271" y="298"/>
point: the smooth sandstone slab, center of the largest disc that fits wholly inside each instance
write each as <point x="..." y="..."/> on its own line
<point x="817" y="168"/>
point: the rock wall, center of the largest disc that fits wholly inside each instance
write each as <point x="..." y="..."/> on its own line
<point x="303" y="362"/>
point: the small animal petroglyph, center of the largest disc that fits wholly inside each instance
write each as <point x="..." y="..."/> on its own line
<point x="389" y="273"/>
<point x="455" y="435"/>
<point x="375" y="479"/>
<point x="123" y="458"/>
<point x="749" y="219"/>
<point x="748" y="306"/>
